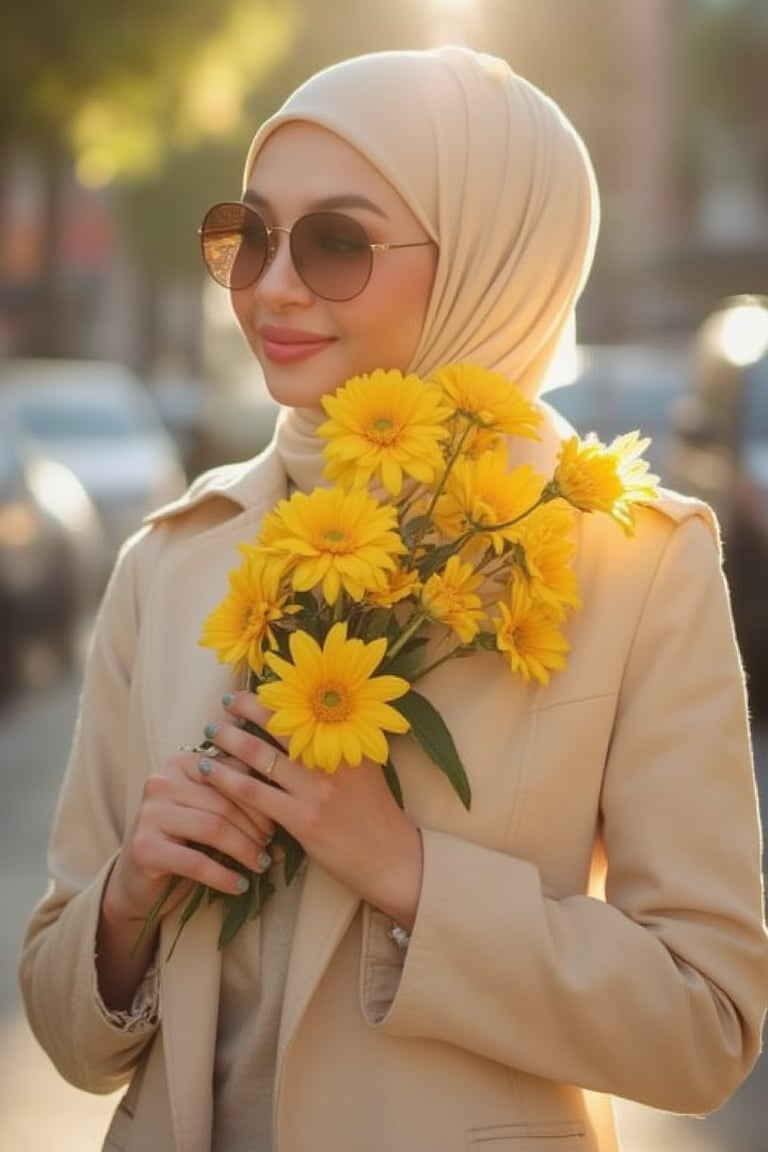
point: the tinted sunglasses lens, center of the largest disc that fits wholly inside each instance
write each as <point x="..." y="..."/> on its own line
<point x="234" y="243"/>
<point x="332" y="254"/>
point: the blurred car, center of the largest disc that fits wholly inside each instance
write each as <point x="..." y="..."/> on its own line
<point x="180" y="401"/>
<point x="719" y="452"/>
<point x="610" y="389"/>
<point x="97" y="419"/>
<point x="51" y="554"/>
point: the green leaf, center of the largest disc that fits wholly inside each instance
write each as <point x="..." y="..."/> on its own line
<point x="430" y="730"/>
<point x="414" y="528"/>
<point x="378" y="622"/>
<point x="408" y="661"/>
<point x="391" y="777"/>
<point x="485" y="641"/>
<point x="244" y="907"/>
<point x="294" y="853"/>
<point x="151" y="918"/>
<point x="255" y="729"/>
<point x="435" y="559"/>
<point x="193" y="903"/>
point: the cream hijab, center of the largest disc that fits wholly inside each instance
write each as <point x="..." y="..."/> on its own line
<point x="498" y="178"/>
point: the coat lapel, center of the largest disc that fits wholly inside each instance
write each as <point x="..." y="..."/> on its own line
<point x="190" y="1003"/>
<point x="327" y="909"/>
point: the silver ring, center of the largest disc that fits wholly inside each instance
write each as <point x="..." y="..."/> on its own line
<point x="206" y="748"/>
<point x="271" y="766"/>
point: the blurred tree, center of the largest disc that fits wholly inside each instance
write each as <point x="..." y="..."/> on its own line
<point x="118" y="87"/>
<point x="162" y="205"/>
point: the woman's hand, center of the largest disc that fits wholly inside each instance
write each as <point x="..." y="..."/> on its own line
<point x="347" y="821"/>
<point x="177" y="811"/>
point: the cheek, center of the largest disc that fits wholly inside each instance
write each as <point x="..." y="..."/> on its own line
<point x="240" y="304"/>
<point x="395" y="317"/>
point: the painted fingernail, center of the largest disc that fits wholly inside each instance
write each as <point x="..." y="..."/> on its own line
<point x="227" y="699"/>
<point x="205" y="766"/>
<point x="210" y="730"/>
<point x="242" y="884"/>
<point x="265" y="860"/>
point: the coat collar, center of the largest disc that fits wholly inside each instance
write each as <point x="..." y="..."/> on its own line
<point x="261" y="480"/>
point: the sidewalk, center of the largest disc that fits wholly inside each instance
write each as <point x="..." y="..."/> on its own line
<point x="40" y="1112"/>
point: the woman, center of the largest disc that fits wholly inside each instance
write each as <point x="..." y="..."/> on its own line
<point x="593" y="925"/>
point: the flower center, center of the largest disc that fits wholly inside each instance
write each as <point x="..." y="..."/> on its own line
<point x="331" y="704"/>
<point x="384" y="430"/>
<point x="256" y="617"/>
<point x="335" y="540"/>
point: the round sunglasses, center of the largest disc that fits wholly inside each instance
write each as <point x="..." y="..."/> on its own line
<point x="332" y="253"/>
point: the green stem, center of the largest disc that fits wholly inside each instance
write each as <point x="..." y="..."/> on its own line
<point x="410" y="630"/>
<point x="436" y="663"/>
<point x="151" y="918"/>
<point x="447" y="470"/>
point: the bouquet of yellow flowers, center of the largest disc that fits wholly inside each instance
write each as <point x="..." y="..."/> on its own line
<point x="425" y="547"/>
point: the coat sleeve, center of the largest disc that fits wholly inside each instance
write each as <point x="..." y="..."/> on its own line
<point x="57" y="969"/>
<point x="657" y="992"/>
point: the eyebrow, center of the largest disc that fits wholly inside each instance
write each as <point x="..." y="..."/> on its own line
<point x="326" y="203"/>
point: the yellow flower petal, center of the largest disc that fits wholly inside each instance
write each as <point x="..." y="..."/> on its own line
<point x="384" y="426"/>
<point x="240" y="628"/>
<point x="488" y="400"/>
<point x="334" y="539"/>
<point x="529" y="636"/>
<point x="328" y="702"/>
<point x="448" y="597"/>
<point x="594" y="477"/>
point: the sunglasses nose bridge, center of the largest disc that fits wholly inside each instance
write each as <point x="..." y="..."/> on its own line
<point x="283" y="274"/>
<point x="272" y="241"/>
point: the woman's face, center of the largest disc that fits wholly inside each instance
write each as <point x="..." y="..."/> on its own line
<point x="308" y="346"/>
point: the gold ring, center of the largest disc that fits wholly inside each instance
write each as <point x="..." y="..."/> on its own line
<point x="271" y="766"/>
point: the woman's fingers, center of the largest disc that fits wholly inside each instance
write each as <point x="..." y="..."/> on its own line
<point x="348" y="821"/>
<point x="196" y="767"/>
<point x="245" y="705"/>
<point x="245" y="750"/>
<point x="180" y="821"/>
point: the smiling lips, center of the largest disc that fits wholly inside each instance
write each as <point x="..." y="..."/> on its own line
<point x="291" y="345"/>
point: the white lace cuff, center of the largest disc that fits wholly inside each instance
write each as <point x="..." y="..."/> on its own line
<point x="144" y="1012"/>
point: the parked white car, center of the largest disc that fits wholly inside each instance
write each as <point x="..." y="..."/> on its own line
<point x="99" y="420"/>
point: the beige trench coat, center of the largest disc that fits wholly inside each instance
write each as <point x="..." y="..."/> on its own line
<point x="526" y="998"/>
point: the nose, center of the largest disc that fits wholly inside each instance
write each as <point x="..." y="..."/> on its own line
<point x="280" y="283"/>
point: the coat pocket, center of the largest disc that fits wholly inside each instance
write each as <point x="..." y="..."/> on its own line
<point x="555" y="1136"/>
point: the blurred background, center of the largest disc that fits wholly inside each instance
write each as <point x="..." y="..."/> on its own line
<point x="122" y="374"/>
<point x="118" y="130"/>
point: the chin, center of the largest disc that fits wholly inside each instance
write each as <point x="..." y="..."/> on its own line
<point x="300" y="385"/>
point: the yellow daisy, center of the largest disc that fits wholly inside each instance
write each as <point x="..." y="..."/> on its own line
<point x="547" y="540"/>
<point x="384" y="426"/>
<point x="484" y="496"/>
<point x="449" y="597"/>
<point x="240" y="627"/>
<point x="489" y="400"/>
<point x="598" y="478"/>
<point x="528" y="636"/>
<point x="400" y="584"/>
<point x="329" y="703"/>
<point x="335" y="539"/>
